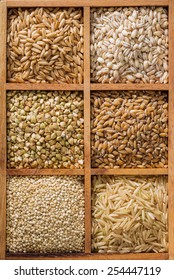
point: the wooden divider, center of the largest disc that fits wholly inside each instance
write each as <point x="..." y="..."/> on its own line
<point x="129" y="171"/>
<point x="2" y="130"/>
<point x="13" y="86"/>
<point x="87" y="130"/>
<point x="129" y="86"/>
<point x="171" y="132"/>
<point x="44" y="172"/>
<point x="93" y="87"/>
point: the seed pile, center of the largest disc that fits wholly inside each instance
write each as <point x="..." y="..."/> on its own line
<point x="45" y="45"/>
<point x="45" y="214"/>
<point x="129" y="45"/>
<point x="129" y="129"/>
<point x="45" y="129"/>
<point x="129" y="214"/>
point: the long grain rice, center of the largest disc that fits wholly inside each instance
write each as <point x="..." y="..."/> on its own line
<point x="129" y="214"/>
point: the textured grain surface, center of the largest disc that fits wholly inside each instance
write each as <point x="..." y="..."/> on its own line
<point x="129" y="129"/>
<point x="45" y="129"/>
<point x="129" y="45"/>
<point x="129" y="214"/>
<point x="45" y="214"/>
<point x="45" y="45"/>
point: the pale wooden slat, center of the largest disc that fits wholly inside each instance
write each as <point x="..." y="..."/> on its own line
<point x="171" y="131"/>
<point x="129" y="86"/>
<point x="87" y="129"/>
<point x="27" y="86"/>
<point x="92" y="3"/>
<point x="138" y="256"/>
<point x="2" y="130"/>
<point x="44" y="172"/>
<point x="129" y="171"/>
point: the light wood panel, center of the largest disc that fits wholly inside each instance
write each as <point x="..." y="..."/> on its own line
<point x="87" y="130"/>
<point x="171" y="131"/>
<point x="2" y="130"/>
<point x="93" y="87"/>
<point x="94" y="171"/>
<point x="129" y="171"/>
<point x="92" y="3"/>
<point x="129" y="86"/>
<point x="138" y="256"/>
<point x="27" y="86"/>
<point x="44" y="172"/>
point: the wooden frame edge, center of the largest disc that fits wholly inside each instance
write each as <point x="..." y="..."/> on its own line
<point x="3" y="28"/>
<point x="85" y="3"/>
<point x="93" y="256"/>
<point x="171" y="133"/>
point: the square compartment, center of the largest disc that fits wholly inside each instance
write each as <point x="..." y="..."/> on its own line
<point x="129" y="129"/>
<point x="45" y="214"/>
<point x="45" y="45"/>
<point x="45" y="129"/>
<point x="129" y="214"/>
<point x="129" y="45"/>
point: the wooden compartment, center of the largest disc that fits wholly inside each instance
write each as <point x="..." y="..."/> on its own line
<point x="28" y="214"/>
<point x="86" y="87"/>
<point x="129" y="214"/>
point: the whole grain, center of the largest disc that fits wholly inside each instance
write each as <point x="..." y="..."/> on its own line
<point x="129" y="45"/>
<point x="129" y="129"/>
<point x="45" y="214"/>
<point x="129" y="214"/>
<point x="45" y="129"/>
<point x="45" y="45"/>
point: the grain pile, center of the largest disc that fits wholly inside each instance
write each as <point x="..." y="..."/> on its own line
<point x="129" y="129"/>
<point x="45" y="214"/>
<point x="45" y="129"/>
<point x="129" y="214"/>
<point x="45" y="45"/>
<point x="129" y="45"/>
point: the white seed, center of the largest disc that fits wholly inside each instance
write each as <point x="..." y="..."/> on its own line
<point x="100" y="59"/>
<point x="130" y="40"/>
<point x="130" y="78"/>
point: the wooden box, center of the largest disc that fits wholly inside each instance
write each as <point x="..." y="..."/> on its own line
<point x="86" y="87"/>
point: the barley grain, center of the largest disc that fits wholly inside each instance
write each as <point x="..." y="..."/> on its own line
<point x="129" y="41"/>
